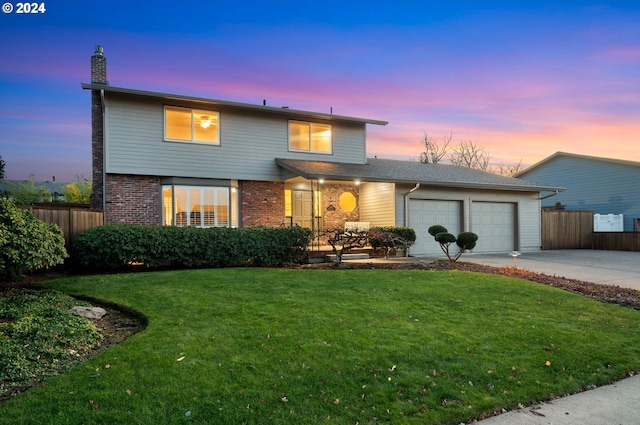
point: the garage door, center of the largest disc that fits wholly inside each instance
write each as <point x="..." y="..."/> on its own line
<point x="424" y="214"/>
<point x="494" y="223"/>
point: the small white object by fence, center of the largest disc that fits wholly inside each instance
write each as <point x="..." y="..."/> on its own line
<point x="608" y="222"/>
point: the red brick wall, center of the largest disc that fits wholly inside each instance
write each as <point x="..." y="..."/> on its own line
<point x="97" y="151"/>
<point x="98" y="75"/>
<point x="133" y="199"/>
<point x="262" y="204"/>
<point x="330" y="197"/>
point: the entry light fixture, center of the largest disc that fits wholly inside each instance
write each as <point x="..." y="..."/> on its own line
<point x="205" y="121"/>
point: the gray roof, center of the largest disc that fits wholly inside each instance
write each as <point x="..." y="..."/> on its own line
<point x="575" y="155"/>
<point x="166" y="97"/>
<point x="412" y="172"/>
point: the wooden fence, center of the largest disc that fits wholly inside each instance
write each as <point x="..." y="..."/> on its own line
<point x="574" y="230"/>
<point x="72" y="219"/>
<point x="617" y="241"/>
<point x="567" y="229"/>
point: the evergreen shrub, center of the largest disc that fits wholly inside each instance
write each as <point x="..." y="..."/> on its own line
<point x="27" y="243"/>
<point x="122" y="246"/>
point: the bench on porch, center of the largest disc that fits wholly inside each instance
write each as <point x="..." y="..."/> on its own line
<point x="351" y="227"/>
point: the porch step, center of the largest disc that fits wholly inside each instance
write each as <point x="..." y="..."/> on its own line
<point x="362" y="256"/>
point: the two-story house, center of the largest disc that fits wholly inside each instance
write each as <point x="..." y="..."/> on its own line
<point x="165" y="159"/>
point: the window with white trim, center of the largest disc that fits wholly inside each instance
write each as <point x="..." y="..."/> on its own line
<point x="310" y="137"/>
<point x="197" y="206"/>
<point x="191" y="125"/>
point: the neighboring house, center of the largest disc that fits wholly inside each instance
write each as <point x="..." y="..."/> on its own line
<point x="163" y="159"/>
<point x="54" y="190"/>
<point x="601" y="185"/>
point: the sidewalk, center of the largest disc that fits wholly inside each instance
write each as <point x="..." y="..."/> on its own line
<point x="615" y="404"/>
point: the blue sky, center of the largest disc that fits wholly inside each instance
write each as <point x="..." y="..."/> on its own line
<point x="521" y="79"/>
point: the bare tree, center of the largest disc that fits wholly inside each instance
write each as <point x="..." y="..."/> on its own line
<point x="468" y="154"/>
<point x="433" y="152"/>
<point x="508" y="170"/>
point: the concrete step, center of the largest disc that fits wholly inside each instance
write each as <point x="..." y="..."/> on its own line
<point x="362" y="256"/>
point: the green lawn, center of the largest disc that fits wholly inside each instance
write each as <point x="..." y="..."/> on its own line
<point x="305" y="346"/>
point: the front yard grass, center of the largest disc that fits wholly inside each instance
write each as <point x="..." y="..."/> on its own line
<point x="305" y="346"/>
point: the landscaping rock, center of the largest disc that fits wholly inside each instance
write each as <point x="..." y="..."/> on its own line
<point x="91" y="313"/>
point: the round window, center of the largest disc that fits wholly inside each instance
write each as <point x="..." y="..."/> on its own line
<point x="347" y="201"/>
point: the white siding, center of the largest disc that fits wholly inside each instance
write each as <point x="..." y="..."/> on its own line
<point x="249" y="143"/>
<point x="376" y="203"/>
<point x="526" y="210"/>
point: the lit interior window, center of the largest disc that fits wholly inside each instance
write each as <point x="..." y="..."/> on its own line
<point x="308" y="137"/>
<point x="178" y="124"/>
<point x="320" y="138"/>
<point x="196" y="206"/>
<point x="191" y="125"/>
<point x="299" y="136"/>
<point x="288" y="209"/>
<point x="347" y="201"/>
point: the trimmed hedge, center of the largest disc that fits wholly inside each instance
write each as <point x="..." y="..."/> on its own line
<point x="391" y="237"/>
<point x="121" y="246"/>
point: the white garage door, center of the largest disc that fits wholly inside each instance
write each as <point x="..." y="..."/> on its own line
<point x="494" y="223"/>
<point x="424" y="214"/>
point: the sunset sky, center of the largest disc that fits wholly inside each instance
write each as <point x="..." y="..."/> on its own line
<point x="523" y="79"/>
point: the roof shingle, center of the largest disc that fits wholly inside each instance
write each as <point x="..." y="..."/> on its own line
<point x="396" y="171"/>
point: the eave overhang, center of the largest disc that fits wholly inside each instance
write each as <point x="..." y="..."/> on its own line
<point x="409" y="172"/>
<point x="168" y="98"/>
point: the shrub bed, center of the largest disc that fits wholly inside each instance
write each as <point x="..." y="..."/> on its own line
<point x="39" y="338"/>
<point x="121" y="246"/>
<point x="389" y="238"/>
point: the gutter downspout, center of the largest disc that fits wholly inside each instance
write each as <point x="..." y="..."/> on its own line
<point x="406" y="208"/>
<point x="549" y="196"/>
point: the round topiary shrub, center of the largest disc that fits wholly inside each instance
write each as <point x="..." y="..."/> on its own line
<point x="436" y="228"/>
<point x="467" y="240"/>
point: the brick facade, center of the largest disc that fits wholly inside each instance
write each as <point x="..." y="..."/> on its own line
<point x="133" y="199"/>
<point x="262" y="204"/>
<point x="97" y="152"/>
<point x="333" y="216"/>
<point x="98" y="76"/>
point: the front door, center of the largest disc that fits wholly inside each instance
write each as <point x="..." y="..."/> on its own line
<point x="302" y="207"/>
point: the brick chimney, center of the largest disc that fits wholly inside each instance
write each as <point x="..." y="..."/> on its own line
<point x="98" y="76"/>
<point x="99" y="67"/>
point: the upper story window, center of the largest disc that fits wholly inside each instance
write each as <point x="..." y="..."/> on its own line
<point x="309" y="137"/>
<point x="191" y="125"/>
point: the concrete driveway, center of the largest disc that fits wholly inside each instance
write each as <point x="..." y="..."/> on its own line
<point x="620" y="268"/>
